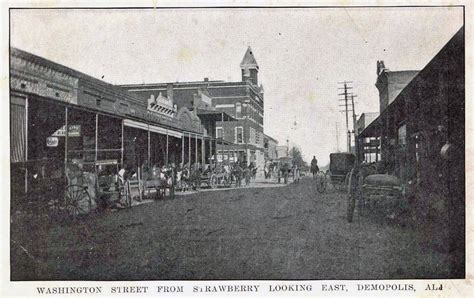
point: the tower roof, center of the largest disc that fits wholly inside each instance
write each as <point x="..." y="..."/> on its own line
<point x="249" y="60"/>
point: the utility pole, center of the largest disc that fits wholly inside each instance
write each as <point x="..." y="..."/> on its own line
<point x="337" y="138"/>
<point x="354" y="120"/>
<point x="346" y="105"/>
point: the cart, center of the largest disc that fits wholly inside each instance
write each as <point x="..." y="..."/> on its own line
<point x="105" y="187"/>
<point x="340" y="165"/>
<point x="218" y="177"/>
<point x="162" y="180"/>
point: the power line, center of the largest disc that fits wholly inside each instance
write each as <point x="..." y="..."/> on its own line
<point x="346" y="105"/>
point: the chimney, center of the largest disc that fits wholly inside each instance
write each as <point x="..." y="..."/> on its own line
<point x="206" y="79"/>
<point x="169" y="92"/>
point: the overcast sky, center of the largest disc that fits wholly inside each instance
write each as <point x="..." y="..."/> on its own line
<point x="302" y="54"/>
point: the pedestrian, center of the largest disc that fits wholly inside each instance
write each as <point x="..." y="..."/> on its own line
<point x="247" y="174"/>
<point x="284" y="168"/>
<point x="238" y="174"/>
<point x="314" y="166"/>
<point x="296" y="173"/>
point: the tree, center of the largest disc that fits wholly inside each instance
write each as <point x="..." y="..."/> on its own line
<point x="297" y="156"/>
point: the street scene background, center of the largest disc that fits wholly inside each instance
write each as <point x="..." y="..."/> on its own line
<point x="234" y="144"/>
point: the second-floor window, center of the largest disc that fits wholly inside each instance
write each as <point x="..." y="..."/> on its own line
<point x="238" y="110"/>
<point x="219" y="132"/>
<point x="239" y="135"/>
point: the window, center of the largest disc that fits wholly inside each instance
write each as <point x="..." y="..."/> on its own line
<point x="238" y="110"/>
<point x="402" y="135"/>
<point x="252" y="136"/>
<point x="239" y="135"/>
<point x="219" y="133"/>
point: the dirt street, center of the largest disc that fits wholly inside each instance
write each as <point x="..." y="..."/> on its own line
<point x="289" y="232"/>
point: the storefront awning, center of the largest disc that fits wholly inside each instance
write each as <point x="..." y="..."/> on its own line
<point x="153" y="128"/>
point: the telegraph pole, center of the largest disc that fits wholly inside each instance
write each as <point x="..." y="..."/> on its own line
<point x="354" y="120"/>
<point x="337" y="138"/>
<point x="346" y="105"/>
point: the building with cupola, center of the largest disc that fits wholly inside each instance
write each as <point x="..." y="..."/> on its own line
<point x="231" y="112"/>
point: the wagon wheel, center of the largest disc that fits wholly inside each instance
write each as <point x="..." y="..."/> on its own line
<point x="125" y="194"/>
<point x="346" y="181"/>
<point x="213" y="181"/>
<point x="77" y="201"/>
<point x="351" y="195"/>
<point x="321" y="182"/>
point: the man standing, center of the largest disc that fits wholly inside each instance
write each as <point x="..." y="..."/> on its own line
<point x="314" y="166"/>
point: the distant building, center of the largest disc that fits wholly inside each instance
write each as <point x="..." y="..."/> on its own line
<point x="369" y="148"/>
<point x="270" y="145"/>
<point x="243" y="101"/>
<point x="282" y="151"/>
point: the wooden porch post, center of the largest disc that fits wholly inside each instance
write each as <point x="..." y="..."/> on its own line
<point x="203" y="151"/>
<point x="96" y="137"/>
<point x="121" y="149"/>
<point x="26" y="143"/>
<point x="167" y="143"/>
<point x="189" y="150"/>
<point x="182" y="149"/>
<point x="196" y="148"/>
<point x="66" y="126"/>
<point x="149" y="145"/>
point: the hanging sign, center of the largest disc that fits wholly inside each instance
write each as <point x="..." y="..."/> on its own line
<point x="74" y="131"/>
<point x="52" y="142"/>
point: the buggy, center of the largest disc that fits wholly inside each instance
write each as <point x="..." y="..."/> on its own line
<point x="374" y="191"/>
<point x="340" y="165"/>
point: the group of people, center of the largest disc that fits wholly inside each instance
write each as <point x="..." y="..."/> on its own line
<point x="189" y="176"/>
<point x="240" y="171"/>
<point x="282" y="170"/>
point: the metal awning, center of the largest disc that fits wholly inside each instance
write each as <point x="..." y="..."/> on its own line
<point x="375" y="127"/>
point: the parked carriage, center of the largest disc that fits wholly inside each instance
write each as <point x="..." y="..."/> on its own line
<point x="340" y="165"/>
<point x="377" y="192"/>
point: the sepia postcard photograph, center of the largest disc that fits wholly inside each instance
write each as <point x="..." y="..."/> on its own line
<point x="236" y="143"/>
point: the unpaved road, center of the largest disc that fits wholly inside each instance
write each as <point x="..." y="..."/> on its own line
<point x="268" y="233"/>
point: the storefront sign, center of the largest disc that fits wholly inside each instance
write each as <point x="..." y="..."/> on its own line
<point x="74" y="131"/>
<point x="52" y="142"/>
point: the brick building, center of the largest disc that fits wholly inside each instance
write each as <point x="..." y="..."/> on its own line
<point x="421" y="132"/>
<point x="242" y="102"/>
<point x="107" y="127"/>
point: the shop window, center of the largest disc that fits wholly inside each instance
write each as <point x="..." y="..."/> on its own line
<point x="239" y="135"/>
